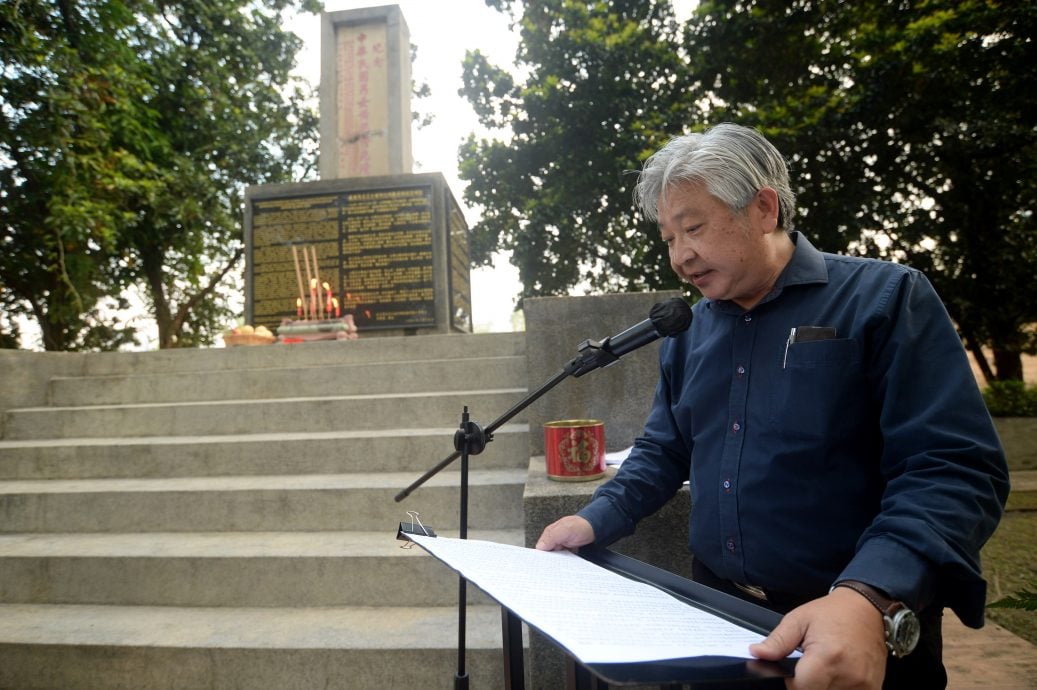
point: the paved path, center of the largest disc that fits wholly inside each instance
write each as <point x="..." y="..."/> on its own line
<point x="1024" y="480"/>
<point x="988" y="658"/>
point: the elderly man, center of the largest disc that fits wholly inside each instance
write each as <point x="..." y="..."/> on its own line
<point x="843" y="467"/>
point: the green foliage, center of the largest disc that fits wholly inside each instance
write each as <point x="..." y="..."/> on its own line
<point x="910" y="129"/>
<point x="603" y="86"/>
<point x="912" y="132"/>
<point x="1011" y="399"/>
<point x="128" y="132"/>
<point x="64" y="183"/>
<point x="1025" y="600"/>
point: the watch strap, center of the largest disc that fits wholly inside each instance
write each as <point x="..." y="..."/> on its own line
<point x="885" y="605"/>
<point x="900" y="622"/>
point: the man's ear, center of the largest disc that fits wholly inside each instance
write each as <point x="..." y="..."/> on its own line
<point x="763" y="209"/>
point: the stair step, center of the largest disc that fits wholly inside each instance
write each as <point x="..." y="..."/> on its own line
<point x="284" y="452"/>
<point x="356" y="501"/>
<point x="305" y="569"/>
<point x="165" y="648"/>
<point x="314" y="381"/>
<point x="298" y="414"/>
<point x="366" y="349"/>
<point x="226" y="517"/>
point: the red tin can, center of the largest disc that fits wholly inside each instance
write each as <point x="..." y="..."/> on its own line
<point x="575" y="449"/>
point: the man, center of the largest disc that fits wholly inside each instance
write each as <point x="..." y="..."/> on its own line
<point x="843" y="467"/>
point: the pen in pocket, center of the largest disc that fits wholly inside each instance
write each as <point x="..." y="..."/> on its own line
<point x="803" y="334"/>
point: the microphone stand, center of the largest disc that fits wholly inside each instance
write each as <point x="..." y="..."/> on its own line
<point x="471" y="439"/>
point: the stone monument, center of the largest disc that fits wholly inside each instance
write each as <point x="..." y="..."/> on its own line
<point x="391" y="245"/>
<point x="365" y="86"/>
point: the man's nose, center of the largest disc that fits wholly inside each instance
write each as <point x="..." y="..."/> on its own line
<point x="681" y="251"/>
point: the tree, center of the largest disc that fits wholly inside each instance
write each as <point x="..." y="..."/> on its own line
<point x="910" y="127"/>
<point x="604" y="86"/>
<point x="230" y="116"/>
<point x="130" y="129"/>
<point x="914" y="132"/>
<point x="65" y="93"/>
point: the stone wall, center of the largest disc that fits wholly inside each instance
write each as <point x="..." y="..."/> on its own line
<point x="619" y="395"/>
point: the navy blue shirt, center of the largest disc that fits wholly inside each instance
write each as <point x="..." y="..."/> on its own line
<point x="867" y="455"/>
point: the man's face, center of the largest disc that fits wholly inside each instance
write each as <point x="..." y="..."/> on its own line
<point x="720" y="251"/>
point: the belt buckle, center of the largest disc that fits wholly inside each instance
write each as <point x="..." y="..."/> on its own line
<point x="752" y="590"/>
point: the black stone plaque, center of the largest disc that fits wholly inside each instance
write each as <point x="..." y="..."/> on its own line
<point x="378" y="247"/>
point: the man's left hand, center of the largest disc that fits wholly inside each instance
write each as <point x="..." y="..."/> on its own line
<point x="843" y="643"/>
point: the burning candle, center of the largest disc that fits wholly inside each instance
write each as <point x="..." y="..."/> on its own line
<point x="298" y="307"/>
<point x="338" y="312"/>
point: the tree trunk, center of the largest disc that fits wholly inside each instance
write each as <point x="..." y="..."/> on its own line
<point x="154" y="274"/>
<point x="1009" y="365"/>
<point x="981" y="361"/>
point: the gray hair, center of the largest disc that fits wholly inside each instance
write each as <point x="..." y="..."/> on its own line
<point x="732" y="161"/>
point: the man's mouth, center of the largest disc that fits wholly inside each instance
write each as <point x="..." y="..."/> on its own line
<point x="697" y="276"/>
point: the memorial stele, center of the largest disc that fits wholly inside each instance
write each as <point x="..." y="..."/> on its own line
<point x="392" y="245"/>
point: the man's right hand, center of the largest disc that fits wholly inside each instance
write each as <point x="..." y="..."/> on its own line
<point x="571" y="532"/>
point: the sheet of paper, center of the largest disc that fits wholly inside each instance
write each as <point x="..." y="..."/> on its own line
<point x="598" y="615"/>
<point x="617" y="457"/>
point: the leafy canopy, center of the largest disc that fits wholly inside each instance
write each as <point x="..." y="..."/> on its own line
<point x="605" y="82"/>
<point x="128" y="131"/>
<point x="910" y="128"/>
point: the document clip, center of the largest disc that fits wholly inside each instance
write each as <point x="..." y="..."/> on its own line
<point x="413" y="527"/>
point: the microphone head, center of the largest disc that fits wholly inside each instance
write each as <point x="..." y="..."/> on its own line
<point x="670" y="317"/>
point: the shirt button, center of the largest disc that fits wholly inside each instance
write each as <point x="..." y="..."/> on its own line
<point x="748" y="318"/>
<point x="736" y="426"/>
<point x="727" y="484"/>
<point x="730" y="544"/>
<point x="740" y="370"/>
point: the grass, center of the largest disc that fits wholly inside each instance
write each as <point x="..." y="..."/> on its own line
<point x="1010" y="563"/>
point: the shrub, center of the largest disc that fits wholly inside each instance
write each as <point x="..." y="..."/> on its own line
<point x="1011" y="399"/>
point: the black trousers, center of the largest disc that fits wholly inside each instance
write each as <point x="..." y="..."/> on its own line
<point x="922" y="669"/>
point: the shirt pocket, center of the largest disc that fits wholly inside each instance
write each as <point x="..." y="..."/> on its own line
<point x="820" y="393"/>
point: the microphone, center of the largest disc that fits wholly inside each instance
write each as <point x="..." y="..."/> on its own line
<point x="664" y="320"/>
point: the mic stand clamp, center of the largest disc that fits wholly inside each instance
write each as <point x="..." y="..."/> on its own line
<point x="594" y="354"/>
<point x="470" y="437"/>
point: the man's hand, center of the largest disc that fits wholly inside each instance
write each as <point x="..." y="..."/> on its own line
<point x="571" y="532"/>
<point x="843" y="643"/>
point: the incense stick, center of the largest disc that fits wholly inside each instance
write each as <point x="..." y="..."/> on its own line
<point x="298" y="275"/>
<point x="309" y="283"/>
<point x="316" y="275"/>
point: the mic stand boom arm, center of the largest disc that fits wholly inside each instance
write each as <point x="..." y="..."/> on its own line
<point x="665" y="319"/>
<point x="476" y="437"/>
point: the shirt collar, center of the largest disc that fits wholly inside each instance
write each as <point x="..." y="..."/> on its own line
<point x="806" y="266"/>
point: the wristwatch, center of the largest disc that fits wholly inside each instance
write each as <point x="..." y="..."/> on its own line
<point x="901" y="623"/>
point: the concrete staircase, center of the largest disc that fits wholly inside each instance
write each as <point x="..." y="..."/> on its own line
<point x="225" y="518"/>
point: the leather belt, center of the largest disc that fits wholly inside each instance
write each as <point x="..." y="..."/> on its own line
<point x="752" y="590"/>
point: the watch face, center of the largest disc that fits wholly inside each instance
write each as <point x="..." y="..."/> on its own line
<point x="904" y="632"/>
